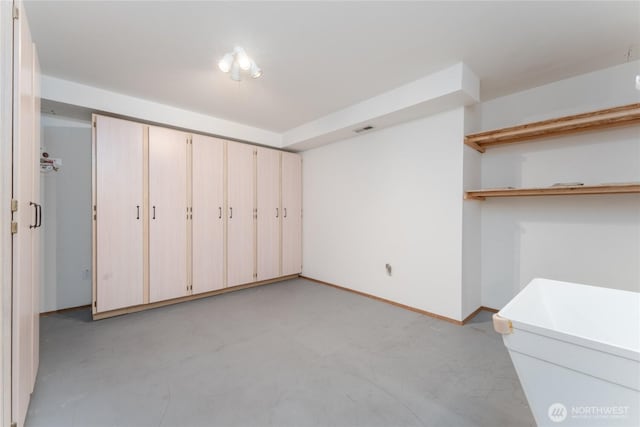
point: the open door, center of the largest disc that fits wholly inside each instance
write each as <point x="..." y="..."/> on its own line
<point x="26" y="218"/>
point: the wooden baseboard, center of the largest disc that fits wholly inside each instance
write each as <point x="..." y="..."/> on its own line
<point x="472" y="315"/>
<point x="142" y="307"/>
<point x="478" y="310"/>
<point x="64" y="310"/>
<point x="397" y="304"/>
<point x="406" y="307"/>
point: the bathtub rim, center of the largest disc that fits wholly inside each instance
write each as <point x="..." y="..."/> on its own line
<point x="584" y="341"/>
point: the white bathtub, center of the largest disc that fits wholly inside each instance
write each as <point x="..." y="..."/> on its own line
<point x="576" y="349"/>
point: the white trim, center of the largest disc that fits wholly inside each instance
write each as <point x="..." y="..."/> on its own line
<point x="100" y="100"/>
<point x="444" y="90"/>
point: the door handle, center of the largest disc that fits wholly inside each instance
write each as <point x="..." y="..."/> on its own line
<point x="154" y="213"/>
<point x="230" y="212"/>
<point x="39" y="211"/>
<point x="35" y="215"/>
<point x="285" y="212"/>
<point x="276" y="212"/>
<point x="219" y="212"/>
<point x="138" y="211"/>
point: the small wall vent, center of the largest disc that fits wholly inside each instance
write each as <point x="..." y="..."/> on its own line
<point x="363" y="129"/>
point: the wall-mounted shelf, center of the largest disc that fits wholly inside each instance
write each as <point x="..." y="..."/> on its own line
<point x="553" y="191"/>
<point x="611" y="117"/>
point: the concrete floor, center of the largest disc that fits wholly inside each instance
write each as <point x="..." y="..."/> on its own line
<point x="293" y="353"/>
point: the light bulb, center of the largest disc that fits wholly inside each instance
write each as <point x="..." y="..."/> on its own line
<point x="235" y="72"/>
<point x="255" y="70"/>
<point x="638" y="82"/>
<point x="242" y="58"/>
<point x="225" y="63"/>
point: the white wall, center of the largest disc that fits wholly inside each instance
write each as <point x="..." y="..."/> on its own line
<point x="586" y="239"/>
<point x="66" y="206"/>
<point x="392" y="196"/>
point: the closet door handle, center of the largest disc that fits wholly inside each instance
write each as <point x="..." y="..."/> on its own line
<point x="277" y="213"/>
<point x="138" y="211"/>
<point x="285" y="212"/>
<point x="154" y="213"/>
<point x="219" y="212"/>
<point x="230" y="212"/>
<point x="35" y="215"/>
<point x="39" y="210"/>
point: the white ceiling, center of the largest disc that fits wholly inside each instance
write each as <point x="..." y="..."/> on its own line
<point x="319" y="57"/>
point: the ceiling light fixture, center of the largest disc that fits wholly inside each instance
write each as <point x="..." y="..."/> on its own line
<point x="243" y="59"/>
<point x="235" y="72"/>
<point x="236" y="61"/>
<point x="226" y="62"/>
<point x="255" y="71"/>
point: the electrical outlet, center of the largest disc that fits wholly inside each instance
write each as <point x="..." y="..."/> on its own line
<point x="388" y="267"/>
<point x="86" y="274"/>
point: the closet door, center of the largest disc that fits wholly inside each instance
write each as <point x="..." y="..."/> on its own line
<point x="240" y="228"/>
<point x="24" y="174"/>
<point x="118" y="221"/>
<point x="268" y="206"/>
<point x="208" y="213"/>
<point x="291" y="214"/>
<point x="167" y="214"/>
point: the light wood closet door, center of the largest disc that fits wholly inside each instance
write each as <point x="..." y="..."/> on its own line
<point x="118" y="197"/>
<point x="240" y="228"/>
<point x="291" y="214"/>
<point x="269" y="213"/>
<point x="167" y="214"/>
<point x="208" y="213"/>
<point x="24" y="174"/>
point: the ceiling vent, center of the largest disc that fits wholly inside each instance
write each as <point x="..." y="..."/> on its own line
<point x="363" y="129"/>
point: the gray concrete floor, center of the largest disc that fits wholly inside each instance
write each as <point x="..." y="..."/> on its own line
<point x="293" y="353"/>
